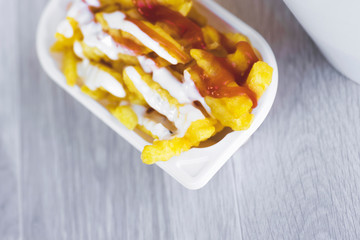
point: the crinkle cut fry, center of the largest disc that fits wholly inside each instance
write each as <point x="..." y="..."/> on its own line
<point x="259" y="78"/>
<point x="69" y="66"/>
<point x="62" y="42"/>
<point x="234" y="112"/>
<point x="126" y="115"/>
<point x="97" y="94"/>
<point x="163" y="150"/>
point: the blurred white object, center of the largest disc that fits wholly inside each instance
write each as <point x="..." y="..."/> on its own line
<point x="334" y="25"/>
<point x="193" y="168"/>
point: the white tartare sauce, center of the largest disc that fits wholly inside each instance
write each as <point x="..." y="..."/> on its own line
<point x="80" y="12"/>
<point x="185" y="92"/>
<point x="95" y="77"/>
<point x="78" y="50"/>
<point x="93" y="34"/>
<point x="156" y="129"/>
<point x="192" y="92"/>
<point x="147" y="64"/>
<point x="93" y="3"/>
<point x="117" y="20"/>
<point x="65" y="29"/>
<point x="181" y="116"/>
<point x="169" y="82"/>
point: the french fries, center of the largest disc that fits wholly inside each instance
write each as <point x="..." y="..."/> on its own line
<point x="155" y="77"/>
<point x="126" y="115"/>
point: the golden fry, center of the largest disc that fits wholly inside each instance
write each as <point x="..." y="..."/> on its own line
<point x="126" y="115"/>
<point x="234" y="112"/>
<point x="163" y="150"/>
<point x="259" y="78"/>
<point x="63" y="42"/>
<point x="97" y="94"/>
<point x="69" y="66"/>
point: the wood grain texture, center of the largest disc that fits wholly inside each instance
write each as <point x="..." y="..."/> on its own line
<point x="10" y="215"/>
<point x="65" y="175"/>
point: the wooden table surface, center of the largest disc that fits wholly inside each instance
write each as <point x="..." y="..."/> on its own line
<point x="65" y="175"/>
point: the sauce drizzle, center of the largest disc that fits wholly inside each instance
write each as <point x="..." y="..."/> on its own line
<point x="161" y="40"/>
<point x="251" y="58"/>
<point x="188" y="30"/>
<point x="224" y="74"/>
<point x="128" y="43"/>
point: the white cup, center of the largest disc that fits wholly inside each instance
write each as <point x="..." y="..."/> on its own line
<point x="334" y="25"/>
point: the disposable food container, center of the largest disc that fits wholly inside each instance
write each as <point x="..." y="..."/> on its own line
<point x="193" y="169"/>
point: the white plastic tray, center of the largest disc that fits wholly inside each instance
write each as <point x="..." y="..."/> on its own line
<point x="194" y="168"/>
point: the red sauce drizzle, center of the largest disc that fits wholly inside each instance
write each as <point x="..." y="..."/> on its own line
<point x="216" y="86"/>
<point x="158" y="38"/>
<point x="137" y="49"/>
<point x="225" y="73"/>
<point x="186" y="29"/>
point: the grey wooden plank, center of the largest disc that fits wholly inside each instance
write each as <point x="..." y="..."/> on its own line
<point x="9" y="124"/>
<point x="297" y="178"/>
